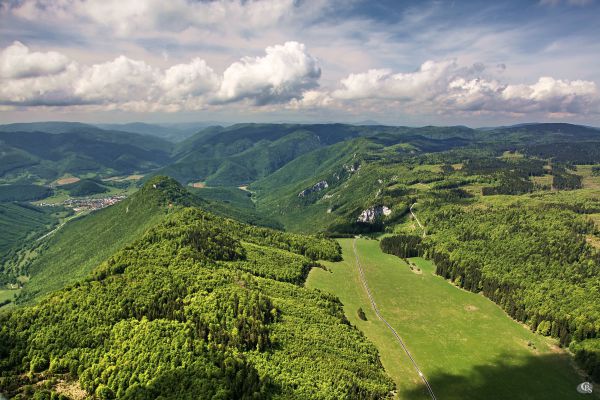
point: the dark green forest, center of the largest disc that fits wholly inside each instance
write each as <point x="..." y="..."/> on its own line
<point x="177" y="293"/>
<point x="199" y="307"/>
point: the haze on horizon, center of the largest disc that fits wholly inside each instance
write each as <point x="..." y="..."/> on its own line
<point x="409" y="63"/>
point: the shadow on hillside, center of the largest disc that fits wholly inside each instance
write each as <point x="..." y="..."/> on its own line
<point x="532" y="377"/>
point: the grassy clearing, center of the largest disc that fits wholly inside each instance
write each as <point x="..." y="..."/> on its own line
<point x="465" y="344"/>
<point x="8" y="294"/>
<point x="509" y="155"/>
<point x="589" y="181"/>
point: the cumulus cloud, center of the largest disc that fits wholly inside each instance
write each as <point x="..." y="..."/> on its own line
<point x="287" y="76"/>
<point x="189" y="80"/>
<point x="284" y="73"/>
<point x="429" y="79"/>
<point x="446" y="87"/>
<point x="116" y="81"/>
<point x="16" y="61"/>
<point x="312" y="99"/>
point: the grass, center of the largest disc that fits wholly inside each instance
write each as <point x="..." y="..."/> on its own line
<point x="464" y="343"/>
<point x="20" y="223"/>
<point x="508" y="155"/>
<point x="75" y="249"/>
<point x="589" y="181"/>
<point x="8" y="294"/>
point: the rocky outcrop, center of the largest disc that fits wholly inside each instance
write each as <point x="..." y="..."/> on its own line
<point x="355" y="167"/>
<point x="370" y="215"/>
<point x="317" y="187"/>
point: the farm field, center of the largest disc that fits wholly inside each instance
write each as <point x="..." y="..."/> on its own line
<point x="466" y="346"/>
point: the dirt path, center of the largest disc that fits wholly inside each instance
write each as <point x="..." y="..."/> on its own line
<point x="374" y="306"/>
<point x="417" y="219"/>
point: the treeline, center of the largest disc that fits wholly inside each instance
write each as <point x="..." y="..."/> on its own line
<point x="521" y="167"/>
<point x="587" y="355"/>
<point x="172" y="316"/>
<point x="576" y="152"/>
<point x="566" y="181"/>
<point x="533" y="261"/>
<point x="509" y="183"/>
<point x="403" y="246"/>
<point x="23" y="192"/>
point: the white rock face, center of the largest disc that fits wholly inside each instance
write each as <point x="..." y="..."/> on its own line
<point x="317" y="187"/>
<point x="370" y="215"/>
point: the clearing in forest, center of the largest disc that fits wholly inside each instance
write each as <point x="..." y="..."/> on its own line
<point x="467" y="347"/>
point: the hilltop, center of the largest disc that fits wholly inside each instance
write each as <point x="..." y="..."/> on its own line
<point x="196" y="307"/>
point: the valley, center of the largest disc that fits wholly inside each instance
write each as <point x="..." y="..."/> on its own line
<point x="299" y="200"/>
<point x="479" y="248"/>
<point x="466" y="346"/>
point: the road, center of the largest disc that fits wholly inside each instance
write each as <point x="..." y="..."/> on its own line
<point x="374" y="306"/>
<point x="417" y="219"/>
<point x="60" y="226"/>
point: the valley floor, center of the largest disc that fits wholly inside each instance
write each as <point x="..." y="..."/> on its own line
<point x="466" y="346"/>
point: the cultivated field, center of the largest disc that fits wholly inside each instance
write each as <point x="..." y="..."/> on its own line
<point x="467" y="347"/>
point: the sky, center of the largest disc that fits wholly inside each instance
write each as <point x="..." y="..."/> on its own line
<point x="474" y="63"/>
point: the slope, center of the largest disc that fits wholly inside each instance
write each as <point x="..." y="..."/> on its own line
<point x="176" y="132"/>
<point x="72" y="251"/>
<point x="37" y="155"/>
<point x="198" y="307"/>
<point x="466" y="346"/>
<point x="19" y="224"/>
<point x="243" y="153"/>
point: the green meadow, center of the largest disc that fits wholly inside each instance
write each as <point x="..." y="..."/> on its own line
<point x="466" y="346"/>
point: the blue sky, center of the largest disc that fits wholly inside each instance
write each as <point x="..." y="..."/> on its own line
<point x="408" y="63"/>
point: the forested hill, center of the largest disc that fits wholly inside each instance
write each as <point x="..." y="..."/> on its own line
<point x="198" y="307"/>
<point x="29" y="155"/>
<point x="243" y="153"/>
<point x="75" y="249"/>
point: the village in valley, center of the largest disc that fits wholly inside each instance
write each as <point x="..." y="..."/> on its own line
<point x="87" y="203"/>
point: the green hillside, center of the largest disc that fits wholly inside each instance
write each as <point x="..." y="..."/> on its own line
<point x="509" y="213"/>
<point x="243" y="153"/>
<point x="76" y="248"/>
<point x="173" y="132"/>
<point x="20" y="224"/>
<point x="29" y="155"/>
<point x="23" y="192"/>
<point x="84" y="187"/>
<point x="466" y="346"/>
<point x="234" y="203"/>
<point x="182" y="312"/>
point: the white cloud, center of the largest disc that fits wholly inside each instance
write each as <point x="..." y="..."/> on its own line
<point x="429" y="79"/>
<point x="115" y="81"/>
<point x="553" y="96"/>
<point x="579" y="3"/>
<point x="445" y="87"/>
<point x="312" y="99"/>
<point x="286" y="77"/>
<point x="188" y="80"/>
<point x="16" y="61"/>
<point x="283" y="74"/>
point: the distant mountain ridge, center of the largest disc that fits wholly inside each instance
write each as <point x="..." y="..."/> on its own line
<point x="242" y="153"/>
<point x="30" y="153"/>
